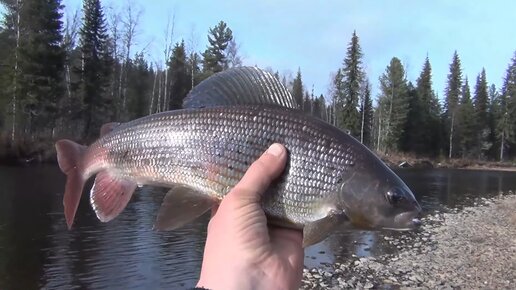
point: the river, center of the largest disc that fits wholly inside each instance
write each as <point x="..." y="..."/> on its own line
<point x="37" y="251"/>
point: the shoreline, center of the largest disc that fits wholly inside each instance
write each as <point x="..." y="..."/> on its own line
<point x="470" y="248"/>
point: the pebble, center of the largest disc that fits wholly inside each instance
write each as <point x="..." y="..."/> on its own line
<point x="435" y="257"/>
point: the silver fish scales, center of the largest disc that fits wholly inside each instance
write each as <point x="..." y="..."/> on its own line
<point x="210" y="150"/>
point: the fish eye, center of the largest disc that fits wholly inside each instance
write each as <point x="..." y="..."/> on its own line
<point x="394" y="196"/>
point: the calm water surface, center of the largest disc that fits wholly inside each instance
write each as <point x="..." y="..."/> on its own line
<point x="38" y="252"/>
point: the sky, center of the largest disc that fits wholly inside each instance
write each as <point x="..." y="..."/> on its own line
<point x="314" y="35"/>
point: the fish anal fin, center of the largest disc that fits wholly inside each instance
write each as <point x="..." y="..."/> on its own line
<point x="110" y="195"/>
<point x="181" y="205"/>
<point x="319" y="230"/>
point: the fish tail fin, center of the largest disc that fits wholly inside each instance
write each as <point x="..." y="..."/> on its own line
<point x="69" y="156"/>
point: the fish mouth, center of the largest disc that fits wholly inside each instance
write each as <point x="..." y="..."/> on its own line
<point x="405" y="221"/>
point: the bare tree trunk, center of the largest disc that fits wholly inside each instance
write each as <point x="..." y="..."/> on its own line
<point x="158" y="106"/>
<point x="379" y="130"/>
<point x="15" y="76"/>
<point x="131" y="22"/>
<point x="363" y="122"/>
<point x="451" y="135"/>
<point x="169" y="36"/>
<point x="502" y="145"/>
<point x="115" y="88"/>
<point x="153" y="91"/>
<point x="192" y="47"/>
<point x="71" y="32"/>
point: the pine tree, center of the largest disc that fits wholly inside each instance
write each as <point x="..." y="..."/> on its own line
<point x="179" y="78"/>
<point x="451" y="102"/>
<point x="352" y="79"/>
<point x="214" y="58"/>
<point x="466" y="126"/>
<point x="297" y="89"/>
<point x="393" y="104"/>
<point x="481" y="104"/>
<point x="95" y="69"/>
<point x="366" y="115"/>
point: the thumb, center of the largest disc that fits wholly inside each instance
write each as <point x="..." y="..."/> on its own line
<point x="261" y="173"/>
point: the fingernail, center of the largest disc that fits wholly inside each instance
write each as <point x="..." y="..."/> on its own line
<point x="275" y="150"/>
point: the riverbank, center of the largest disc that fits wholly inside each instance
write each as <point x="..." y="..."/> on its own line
<point x="471" y="248"/>
<point x="409" y="161"/>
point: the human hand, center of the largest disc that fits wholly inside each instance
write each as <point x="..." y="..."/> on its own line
<point x="241" y="252"/>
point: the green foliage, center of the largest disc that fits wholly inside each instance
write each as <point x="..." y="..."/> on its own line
<point x="481" y="105"/>
<point x="466" y="125"/>
<point x="349" y="88"/>
<point x="179" y="79"/>
<point x="95" y="69"/>
<point x="506" y="118"/>
<point x="422" y="131"/>
<point x="451" y="101"/>
<point x="297" y="89"/>
<point x="214" y="57"/>
<point x="139" y="83"/>
<point x="366" y="115"/>
<point x="393" y="104"/>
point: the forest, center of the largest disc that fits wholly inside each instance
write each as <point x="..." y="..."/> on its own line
<point x="66" y="75"/>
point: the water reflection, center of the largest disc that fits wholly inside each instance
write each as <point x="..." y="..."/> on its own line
<point x="37" y="251"/>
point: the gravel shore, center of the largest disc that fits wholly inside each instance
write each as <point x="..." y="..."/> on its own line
<point x="470" y="248"/>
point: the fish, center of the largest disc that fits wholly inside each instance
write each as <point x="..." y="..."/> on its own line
<point x="200" y="153"/>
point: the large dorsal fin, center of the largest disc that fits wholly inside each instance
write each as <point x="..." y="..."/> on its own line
<point x="240" y="86"/>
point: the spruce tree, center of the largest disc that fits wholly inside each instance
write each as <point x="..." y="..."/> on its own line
<point x="411" y="133"/>
<point x="95" y="69"/>
<point x="139" y="83"/>
<point x="481" y="104"/>
<point x="425" y="115"/>
<point x="506" y="122"/>
<point x="194" y="70"/>
<point x="307" y="103"/>
<point x="494" y="113"/>
<point x="366" y="115"/>
<point x="179" y="78"/>
<point x="352" y="79"/>
<point x="393" y="104"/>
<point x="319" y="108"/>
<point x="297" y="89"/>
<point x="466" y="126"/>
<point x="337" y="99"/>
<point x="214" y="57"/>
<point x="41" y="63"/>
<point x="451" y="102"/>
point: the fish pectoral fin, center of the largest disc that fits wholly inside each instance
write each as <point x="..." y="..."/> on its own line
<point x="110" y="195"/>
<point x="318" y="230"/>
<point x="181" y="205"/>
